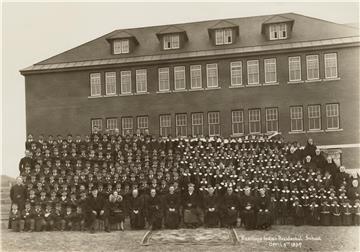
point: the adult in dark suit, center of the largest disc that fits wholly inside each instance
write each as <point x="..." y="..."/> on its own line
<point x="97" y="209"/>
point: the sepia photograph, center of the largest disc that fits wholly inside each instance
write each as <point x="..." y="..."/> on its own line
<point x="180" y="126"/>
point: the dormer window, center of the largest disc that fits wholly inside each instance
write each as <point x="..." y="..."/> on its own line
<point x="223" y="37"/>
<point x="122" y="42"/>
<point x="278" y="31"/>
<point x="121" y="46"/>
<point x="277" y="27"/>
<point x="171" y="41"/>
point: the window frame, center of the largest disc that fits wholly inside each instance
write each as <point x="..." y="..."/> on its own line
<point x="268" y="120"/>
<point x="266" y="63"/>
<point x="277" y="29"/>
<point x="173" y="41"/>
<point x="309" y="107"/>
<point x="126" y="74"/>
<point x="92" y="84"/>
<point x="198" y="125"/>
<point x="182" y="70"/>
<point x="290" y="70"/>
<point x="139" y="73"/>
<point x="212" y="67"/>
<point x="107" y="77"/>
<point x="167" y="72"/>
<point x="236" y="67"/>
<point x="222" y="36"/>
<point x="239" y="123"/>
<point x="308" y="69"/>
<point x="114" y="120"/>
<point x="302" y="119"/>
<point x="216" y="125"/>
<point x="93" y="120"/>
<point x="336" y="66"/>
<point x="248" y="65"/>
<point x="192" y="70"/>
<point x="123" y="48"/>
<point x="123" y="129"/>
<point x="182" y="126"/>
<point x="250" y="120"/>
<point x="337" y="116"/>
<point x="138" y="123"/>
<point x="167" y="128"/>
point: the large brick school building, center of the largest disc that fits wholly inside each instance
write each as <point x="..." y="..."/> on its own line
<point x="289" y="73"/>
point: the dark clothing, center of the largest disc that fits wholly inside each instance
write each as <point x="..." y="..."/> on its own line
<point x="171" y="208"/>
<point x="154" y="212"/>
<point x="263" y="215"/>
<point x="137" y="212"/>
<point x="248" y="213"/>
<point x="211" y="211"/>
<point x="18" y="195"/>
<point x="230" y="206"/>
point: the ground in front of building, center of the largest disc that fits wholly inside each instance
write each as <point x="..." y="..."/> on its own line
<point x="279" y="238"/>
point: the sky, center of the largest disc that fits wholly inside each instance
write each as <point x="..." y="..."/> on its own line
<point x="32" y="32"/>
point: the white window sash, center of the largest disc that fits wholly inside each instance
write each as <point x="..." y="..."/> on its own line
<point x="125" y="82"/>
<point x="295" y="68"/>
<point x="270" y="70"/>
<point x="95" y="84"/>
<point x="253" y="72"/>
<point x="164" y="81"/>
<point x="212" y="75"/>
<point x="179" y="78"/>
<point x="236" y="73"/>
<point x="195" y="74"/>
<point x="141" y="81"/>
<point x="312" y="67"/>
<point x="110" y="83"/>
<point x="331" y="70"/>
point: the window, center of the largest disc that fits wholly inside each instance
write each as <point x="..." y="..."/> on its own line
<point x="237" y="121"/>
<point x="223" y="37"/>
<point x="95" y="84"/>
<point x="181" y="124"/>
<point x="253" y="72"/>
<point x="141" y="81"/>
<point x="127" y="126"/>
<point x="110" y="83"/>
<point x="125" y="82"/>
<point x="296" y="118"/>
<point x="331" y="66"/>
<point x="295" y="68"/>
<point x="314" y="117"/>
<point x="171" y="41"/>
<point x="195" y="74"/>
<point x="254" y="121"/>
<point x="165" y="125"/>
<point x="142" y="123"/>
<point x="278" y="31"/>
<point x="236" y="73"/>
<point x="111" y="123"/>
<point x="270" y="70"/>
<point x="332" y="116"/>
<point x="164" y="84"/>
<point x="179" y="77"/>
<point x="272" y="123"/>
<point x="214" y="123"/>
<point x="197" y="122"/>
<point x="312" y="64"/>
<point x="121" y="46"/>
<point x="96" y="123"/>
<point x="212" y="75"/>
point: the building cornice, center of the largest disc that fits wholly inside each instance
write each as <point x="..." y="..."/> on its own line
<point x="219" y="53"/>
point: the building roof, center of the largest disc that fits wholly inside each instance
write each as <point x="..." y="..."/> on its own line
<point x="97" y="50"/>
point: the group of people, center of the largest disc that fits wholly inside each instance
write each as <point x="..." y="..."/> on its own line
<point x="255" y="181"/>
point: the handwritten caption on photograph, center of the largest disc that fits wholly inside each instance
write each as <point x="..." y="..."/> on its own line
<point x="282" y="241"/>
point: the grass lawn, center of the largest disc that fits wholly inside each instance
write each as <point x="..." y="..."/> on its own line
<point x="279" y="238"/>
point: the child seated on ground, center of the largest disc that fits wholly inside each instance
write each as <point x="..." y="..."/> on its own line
<point x="16" y="221"/>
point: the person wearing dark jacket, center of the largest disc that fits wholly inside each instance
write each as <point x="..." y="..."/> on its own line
<point x="191" y="210"/>
<point x="211" y="208"/>
<point x="263" y="215"/>
<point x="310" y="148"/>
<point x="18" y="194"/>
<point x="171" y="209"/>
<point x="230" y="206"/>
<point x="136" y="210"/>
<point x="248" y="209"/>
<point x="154" y="212"/>
<point x="97" y="210"/>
